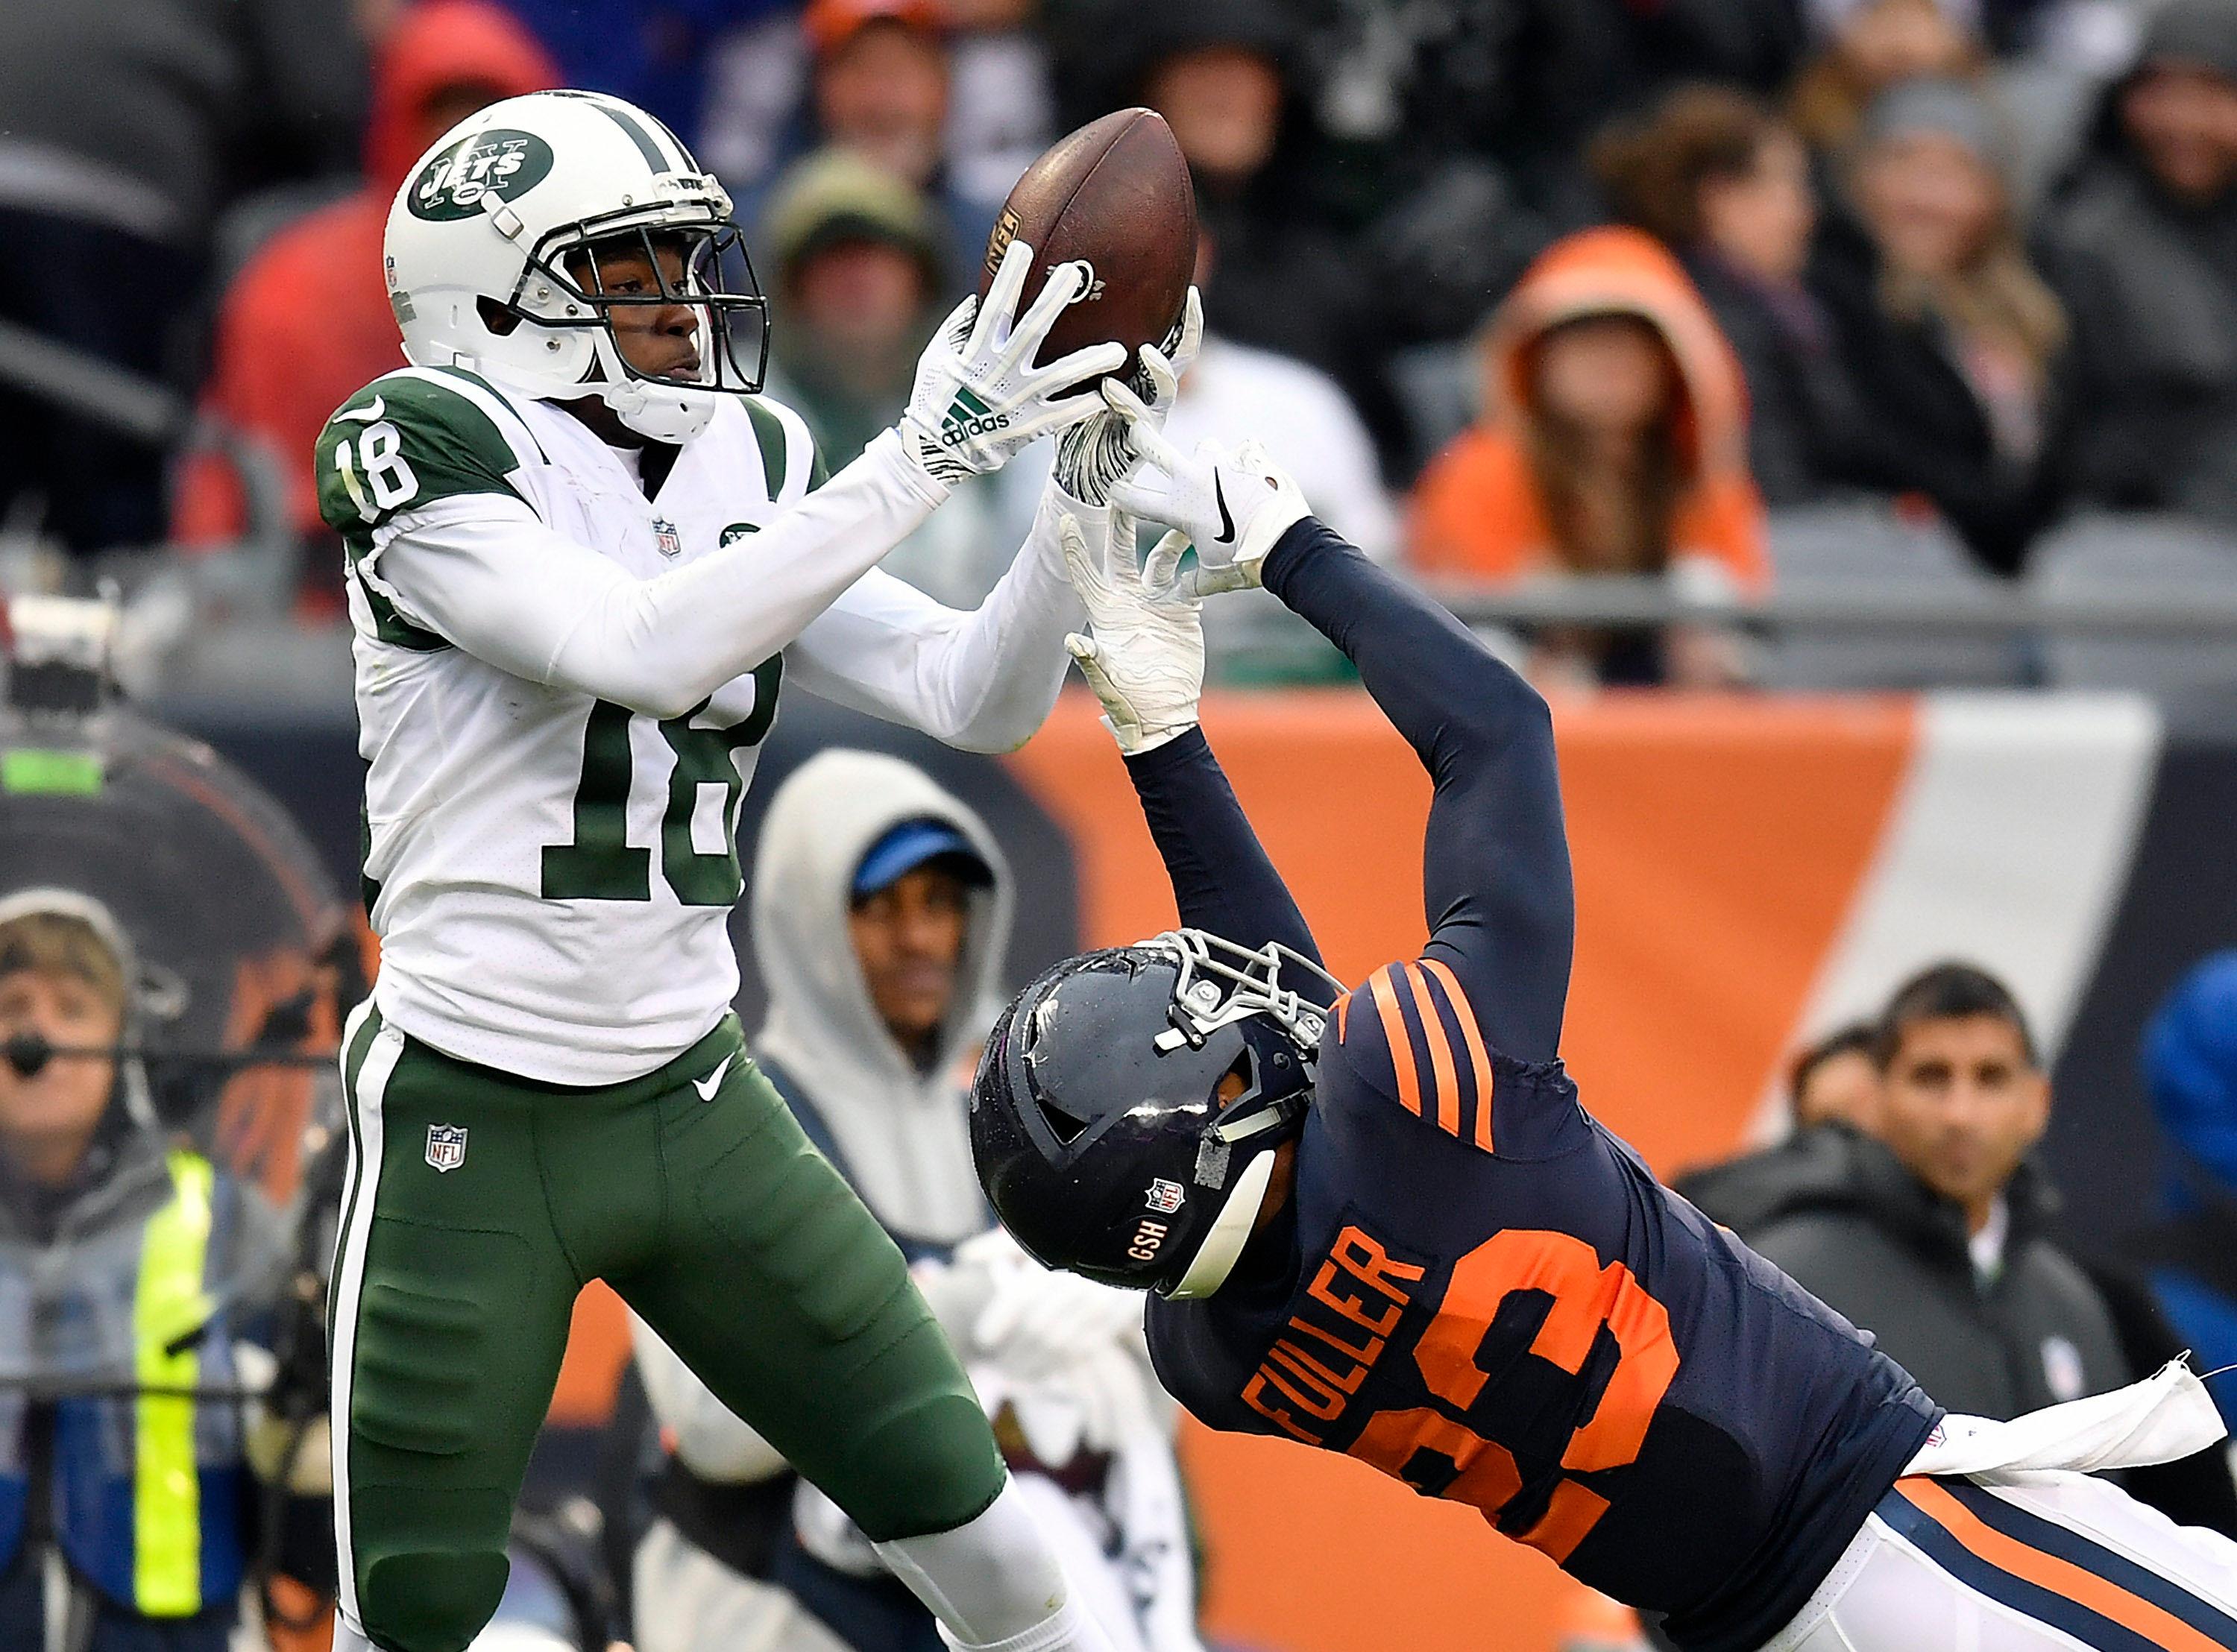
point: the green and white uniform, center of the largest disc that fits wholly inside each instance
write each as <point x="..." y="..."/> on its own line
<point x="562" y="684"/>
<point x="567" y="656"/>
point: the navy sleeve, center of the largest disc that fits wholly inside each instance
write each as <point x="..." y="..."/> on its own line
<point x="1223" y="882"/>
<point x="1495" y="865"/>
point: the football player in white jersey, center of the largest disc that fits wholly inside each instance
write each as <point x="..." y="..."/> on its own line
<point x="583" y="555"/>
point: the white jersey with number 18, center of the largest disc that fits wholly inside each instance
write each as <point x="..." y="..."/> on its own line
<point x="550" y="871"/>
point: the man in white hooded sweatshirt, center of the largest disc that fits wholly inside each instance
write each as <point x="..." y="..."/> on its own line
<point x="881" y="909"/>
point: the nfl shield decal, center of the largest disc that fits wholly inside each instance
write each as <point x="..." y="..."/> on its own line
<point x="1165" y="1197"/>
<point x="665" y="536"/>
<point x="446" y="1146"/>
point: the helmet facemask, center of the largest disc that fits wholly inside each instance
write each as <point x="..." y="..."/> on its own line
<point x="1128" y="1114"/>
<point x="587" y="276"/>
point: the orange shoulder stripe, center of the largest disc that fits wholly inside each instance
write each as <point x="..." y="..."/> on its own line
<point x="1401" y="1041"/>
<point x="1440" y="1053"/>
<point x="1472" y="1035"/>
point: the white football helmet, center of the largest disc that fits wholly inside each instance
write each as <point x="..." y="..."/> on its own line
<point x="496" y="244"/>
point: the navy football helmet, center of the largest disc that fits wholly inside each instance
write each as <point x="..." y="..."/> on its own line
<point x="1130" y="1102"/>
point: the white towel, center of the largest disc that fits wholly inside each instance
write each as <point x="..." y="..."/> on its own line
<point x="2168" y="1415"/>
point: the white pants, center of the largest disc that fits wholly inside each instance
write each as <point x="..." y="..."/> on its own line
<point x="2034" y="1561"/>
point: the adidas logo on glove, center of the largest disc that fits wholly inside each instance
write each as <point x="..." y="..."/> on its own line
<point x="968" y="416"/>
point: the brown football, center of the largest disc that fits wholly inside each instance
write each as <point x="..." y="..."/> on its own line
<point x="1117" y="195"/>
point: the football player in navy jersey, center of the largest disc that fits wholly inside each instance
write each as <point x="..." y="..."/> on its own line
<point x="1380" y="1222"/>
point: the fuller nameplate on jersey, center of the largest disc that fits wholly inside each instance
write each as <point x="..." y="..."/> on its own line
<point x="1336" y="1337"/>
<point x="446" y="1146"/>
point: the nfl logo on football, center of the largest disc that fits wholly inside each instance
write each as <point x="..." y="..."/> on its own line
<point x="1165" y="1197"/>
<point x="446" y="1146"/>
<point x="664" y="536"/>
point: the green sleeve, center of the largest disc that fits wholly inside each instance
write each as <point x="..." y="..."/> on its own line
<point x="771" y="436"/>
<point x="403" y="442"/>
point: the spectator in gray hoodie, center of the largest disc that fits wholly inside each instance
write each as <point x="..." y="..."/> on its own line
<point x="2143" y="246"/>
<point x="880" y="910"/>
<point x="1934" y="1232"/>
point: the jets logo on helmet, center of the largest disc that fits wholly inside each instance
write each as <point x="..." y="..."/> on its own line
<point x="499" y="243"/>
<point x="501" y="164"/>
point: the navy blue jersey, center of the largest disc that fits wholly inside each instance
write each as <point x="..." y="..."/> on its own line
<point x="1475" y="1286"/>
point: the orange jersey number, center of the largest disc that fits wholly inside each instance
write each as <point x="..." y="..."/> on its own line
<point x="1587" y="1298"/>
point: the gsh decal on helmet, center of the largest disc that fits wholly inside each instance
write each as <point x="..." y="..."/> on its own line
<point x="501" y="162"/>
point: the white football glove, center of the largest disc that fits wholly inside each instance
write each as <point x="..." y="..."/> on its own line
<point x="1143" y="659"/>
<point x="1094" y="453"/>
<point x="1232" y="507"/>
<point x="978" y="400"/>
<point x="1042" y="1322"/>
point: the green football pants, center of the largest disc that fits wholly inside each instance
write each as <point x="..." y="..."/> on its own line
<point x="480" y="1204"/>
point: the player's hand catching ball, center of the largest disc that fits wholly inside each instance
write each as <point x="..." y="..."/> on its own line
<point x="1093" y="454"/>
<point x="1143" y="659"/>
<point x="978" y="399"/>
<point x="1232" y="506"/>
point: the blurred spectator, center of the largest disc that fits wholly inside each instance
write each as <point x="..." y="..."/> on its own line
<point x="1003" y="111"/>
<point x="307" y="321"/>
<point x="655" y="53"/>
<point x="1836" y="1081"/>
<point x="125" y="129"/>
<point x="1871" y="47"/>
<point x="1276" y="274"/>
<point x="2190" y="1066"/>
<point x="109" y="1228"/>
<point x="1726" y="184"/>
<point x="1000" y="114"/>
<point x="856" y="273"/>
<point x="1524" y="84"/>
<point x="880" y="85"/>
<point x="858" y="279"/>
<point x="2143" y="247"/>
<point x="1934" y="1236"/>
<point x="1951" y="339"/>
<point x="1833" y="1096"/>
<point x="1614" y="443"/>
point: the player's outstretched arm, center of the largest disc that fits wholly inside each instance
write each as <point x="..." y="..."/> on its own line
<point x="1496" y="859"/>
<point x="985" y="680"/>
<point x="1144" y="660"/>
<point x="1495" y="862"/>
<point x="468" y="561"/>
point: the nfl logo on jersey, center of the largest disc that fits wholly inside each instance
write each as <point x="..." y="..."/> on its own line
<point x="446" y="1146"/>
<point x="664" y="536"/>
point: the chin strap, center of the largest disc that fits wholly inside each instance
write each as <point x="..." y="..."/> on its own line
<point x="1230" y="1230"/>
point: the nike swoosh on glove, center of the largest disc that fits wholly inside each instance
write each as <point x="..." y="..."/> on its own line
<point x="978" y="401"/>
<point x="1233" y="507"/>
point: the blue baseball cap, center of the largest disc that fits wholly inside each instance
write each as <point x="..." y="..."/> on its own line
<point x="903" y="848"/>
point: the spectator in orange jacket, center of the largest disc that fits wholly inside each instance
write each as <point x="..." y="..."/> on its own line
<point x="1614" y="441"/>
<point x="307" y="321"/>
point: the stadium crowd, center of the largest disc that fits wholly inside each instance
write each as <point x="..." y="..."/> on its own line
<point x="1522" y="286"/>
